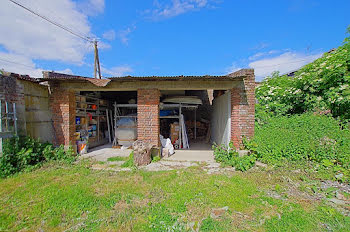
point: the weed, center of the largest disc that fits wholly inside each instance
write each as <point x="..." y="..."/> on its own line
<point x="117" y="158"/>
<point x="156" y="159"/>
<point x="230" y="157"/>
<point x="129" y="163"/>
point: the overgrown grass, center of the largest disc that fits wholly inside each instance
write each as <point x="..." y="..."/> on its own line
<point x="61" y="197"/>
<point x="307" y="137"/>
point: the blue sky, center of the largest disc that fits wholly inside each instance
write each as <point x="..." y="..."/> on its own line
<point x="170" y="37"/>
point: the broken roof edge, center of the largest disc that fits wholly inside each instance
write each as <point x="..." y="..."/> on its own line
<point x="242" y="73"/>
<point x="19" y="76"/>
<point x="54" y="76"/>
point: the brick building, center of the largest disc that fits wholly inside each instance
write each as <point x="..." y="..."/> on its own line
<point x="228" y="105"/>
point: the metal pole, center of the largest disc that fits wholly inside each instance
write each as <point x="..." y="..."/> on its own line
<point x="15" y="118"/>
<point x="180" y="127"/>
<point x="111" y="122"/>
<point x="195" y="123"/>
<point x="6" y="113"/>
<point x="109" y="129"/>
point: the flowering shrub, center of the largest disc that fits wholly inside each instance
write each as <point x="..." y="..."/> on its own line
<point x="322" y="86"/>
<point x="287" y="128"/>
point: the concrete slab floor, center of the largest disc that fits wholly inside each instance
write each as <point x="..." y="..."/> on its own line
<point x="192" y="155"/>
<point x="198" y="151"/>
<point x="102" y="153"/>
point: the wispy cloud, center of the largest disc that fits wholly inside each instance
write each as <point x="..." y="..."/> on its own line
<point x="117" y="71"/>
<point x="261" y="54"/>
<point x="109" y="35"/>
<point x="123" y="35"/>
<point x="233" y="68"/>
<point x="92" y="7"/>
<point x="260" y="46"/>
<point x="175" y="8"/>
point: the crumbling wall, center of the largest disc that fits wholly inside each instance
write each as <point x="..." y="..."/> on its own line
<point x="11" y="90"/>
<point x="243" y="107"/>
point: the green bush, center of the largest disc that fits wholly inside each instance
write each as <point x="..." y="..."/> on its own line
<point x="20" y="153"/>
<point x="321" y="86"/>
<point x="307" y="137"/>
<point x="230" y="157"/>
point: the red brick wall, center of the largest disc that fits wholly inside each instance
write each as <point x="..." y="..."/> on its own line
<point x="148" y="115"/>
<point x="62" y="104"/>
<point x="243" y="108"/>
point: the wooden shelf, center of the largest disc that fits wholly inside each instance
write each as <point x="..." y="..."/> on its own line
<point x="98" y="114"/>
<point x="170" y="116"/>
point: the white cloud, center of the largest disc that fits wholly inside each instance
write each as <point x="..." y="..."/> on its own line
<point x="260" y="54"/>
<point x="286" y="62"/>
<point x="65" y="71"/>
<point x="123" y="34"/>
<point x="19" y="64"/>
<point x="233" y="68"/>
<point x="177" y="7"/>
<point x="117" y="71"/>
<point x="28" y="37"/>
<point x="92" y="7"/>
<point x="109" y="35"/>
<point x="260" y="46"/>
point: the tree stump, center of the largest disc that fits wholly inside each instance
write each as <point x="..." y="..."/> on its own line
<point x="142" y="153"/>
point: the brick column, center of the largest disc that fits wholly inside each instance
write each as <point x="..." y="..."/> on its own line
<point x="62" y="104"/>
<point x="243" y="108"/>
<point x="148" y="115"/>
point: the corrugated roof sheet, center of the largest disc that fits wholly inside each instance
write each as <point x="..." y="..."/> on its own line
<point x="49" y="76"/>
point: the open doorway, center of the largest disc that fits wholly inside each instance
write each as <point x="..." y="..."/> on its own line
<point x="97" y="123"/>
<point x="185" y="118"/>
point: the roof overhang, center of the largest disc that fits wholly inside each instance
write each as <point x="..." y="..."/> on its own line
<point x="65" y="78"/>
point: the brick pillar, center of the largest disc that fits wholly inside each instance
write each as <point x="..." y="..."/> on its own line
<point x="62" y="104"/>
<point x="243" y="109"/>
<point x="148" y="115"/>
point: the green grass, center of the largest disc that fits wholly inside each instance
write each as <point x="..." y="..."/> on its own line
<point x="76" y="198"/>
<point x="117" y="158"/>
